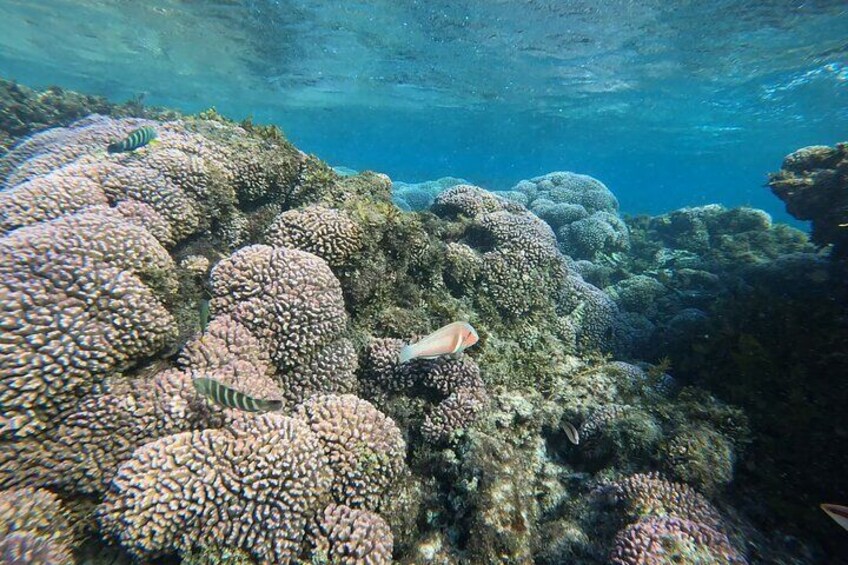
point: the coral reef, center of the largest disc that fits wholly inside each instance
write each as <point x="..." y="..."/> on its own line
<point x="314" y="281"/>
<point x="419" y="196"/>
<point x="288" y="299"/>
<point x="812" y="183"/>
<point x="671" y="540"/>
<point x="327" y="233"/>
<point x="254" y="485"/>
<point x="365" y="448"/>
<point x="94" y="288"/>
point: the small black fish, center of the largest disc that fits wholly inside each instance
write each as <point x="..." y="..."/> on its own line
<point x="138" y="138"/>
<point x="230" y="398"/>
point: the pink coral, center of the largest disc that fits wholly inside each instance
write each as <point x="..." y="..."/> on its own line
<point x="326" y="232"/>
<point x="658" y="541"/>
<point x="288" y="299"/>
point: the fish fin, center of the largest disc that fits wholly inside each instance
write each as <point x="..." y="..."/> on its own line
<point x="457" y="343"/>
<point x="405" y="354"/>
<point x="154" y="142"/>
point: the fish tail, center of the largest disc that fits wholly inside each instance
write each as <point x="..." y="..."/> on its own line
<point x="269" y="405"/>
<point x="407" y="353"/>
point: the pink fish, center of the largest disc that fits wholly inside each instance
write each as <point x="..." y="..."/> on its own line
<point x="452" y="338"/>
<point x="838" y="513"/>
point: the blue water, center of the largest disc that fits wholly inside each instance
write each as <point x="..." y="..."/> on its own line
<point x="670" y="104"/>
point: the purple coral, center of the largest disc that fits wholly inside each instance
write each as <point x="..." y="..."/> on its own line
<point x="26" y="548"/>
<point x="35" y="528"/>
<point x="254" y="486"/>
<point x="90" y="285"/>
<point x="288" y="299"/>
<point x="86" y="448"/>
<point x="470" y="201"/>
<point x="651" y="495"/>
<point x="458" y="380"/>
<point x="660" y="540"/>
<point x="520" y="266"/>
<point x="328" y="233"/>
<point x="365" y="448"/>
<point x="331" y="370"/>
<point x="351" y="536"/>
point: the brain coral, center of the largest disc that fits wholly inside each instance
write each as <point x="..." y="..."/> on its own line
<point x="442" y="374"/>
<point x="470" y="201"/>
<point x="701" y="456"/>
<point x="581" y="210"/>
<point x="351" y="536"/>
<point x="89" y="284"/>
<point x="223" y="342"/>
<point x="602" y="232"/>
<point x="34" y="528"/>
<point x="254" y="486"/>
<point x="26" y="548"/>
<point x="661" y="541"/>
<point x="330" y="234"/>
<point x="570" y="188"/>
<point x="365" y="448"/>
<point x="288" y="299"/>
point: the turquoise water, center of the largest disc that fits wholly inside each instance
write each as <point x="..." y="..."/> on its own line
<point x="670" y="104"/>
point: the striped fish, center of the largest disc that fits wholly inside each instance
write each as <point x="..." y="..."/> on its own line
<point x="452" y="338"/>
<point x="229" y="398"/>
<point x="138" y="138"/>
